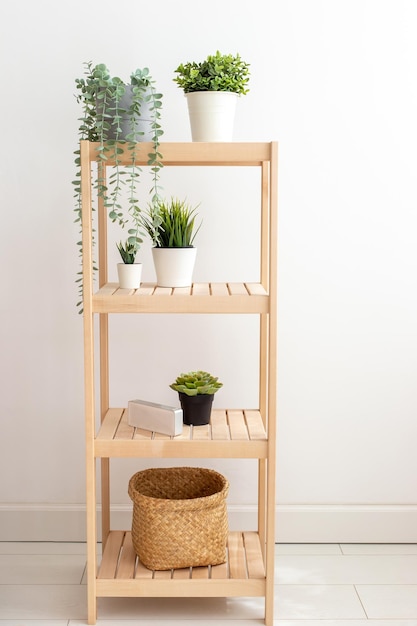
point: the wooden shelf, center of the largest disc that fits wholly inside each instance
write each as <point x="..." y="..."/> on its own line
<point x="122" y="574"/>
<point x="199" y="298"/>
<point x="190" y="153"/>
<point x="230" y="434"/>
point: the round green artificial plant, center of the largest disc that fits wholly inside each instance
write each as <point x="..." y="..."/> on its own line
<point x="219" y="72"/>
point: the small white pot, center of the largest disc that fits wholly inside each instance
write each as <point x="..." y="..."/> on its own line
<point x="130" y="275"/>
<point x="174" y="266"/>
<point x="212" y="115"/>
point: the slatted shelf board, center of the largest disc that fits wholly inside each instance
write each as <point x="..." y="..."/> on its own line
<point x="199" y="298"/>
<point x="190" y="153"/>
<point x="122" y="574"/>
<point x="231" y="433"/>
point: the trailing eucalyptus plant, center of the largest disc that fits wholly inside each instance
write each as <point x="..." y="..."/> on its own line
<point x="219" y="72"/>
<point x="110" y="117"/>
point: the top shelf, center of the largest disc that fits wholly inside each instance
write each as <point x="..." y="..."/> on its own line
<point x="191" y="153"/>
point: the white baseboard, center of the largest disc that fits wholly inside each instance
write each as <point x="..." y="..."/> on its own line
<point x="295" y="523"/>
<point x="346" y="524"/>
<point x="42" y="522"/>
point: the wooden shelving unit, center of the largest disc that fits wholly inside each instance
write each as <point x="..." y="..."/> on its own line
<point x="236" y="434"/>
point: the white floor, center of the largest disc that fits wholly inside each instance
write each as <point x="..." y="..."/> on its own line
<point x="43" y="584"/>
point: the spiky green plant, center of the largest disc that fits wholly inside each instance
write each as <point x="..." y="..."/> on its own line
<point x="171" y="224"/>
<point x="196" y="383"/>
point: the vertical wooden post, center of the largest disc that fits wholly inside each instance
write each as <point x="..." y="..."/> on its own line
<point x="272" y="391"/>
<point x="263" y="347"/>
<point x="89" y="390"/>
<point x="104" y="355"/>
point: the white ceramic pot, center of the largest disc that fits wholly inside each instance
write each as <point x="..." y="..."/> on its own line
<point x="212" y="115"/>
<point x="174" y="266"/>
<point x="130" y="275"/>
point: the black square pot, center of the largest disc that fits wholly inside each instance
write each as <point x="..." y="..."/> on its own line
<point x="196" y="409"/>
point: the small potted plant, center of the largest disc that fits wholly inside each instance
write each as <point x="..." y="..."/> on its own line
<point x="172" y="230"/>
<point x="212" y="88"/>
<point x="129" y="272"/>
<point x="196" y="391"/>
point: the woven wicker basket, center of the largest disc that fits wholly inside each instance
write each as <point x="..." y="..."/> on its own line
<point x="179" y="517"/>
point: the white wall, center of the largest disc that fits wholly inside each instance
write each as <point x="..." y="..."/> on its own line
<point x="334" y="82"/>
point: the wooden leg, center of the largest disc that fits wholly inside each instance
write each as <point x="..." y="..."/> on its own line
<point x="91" y="542"/>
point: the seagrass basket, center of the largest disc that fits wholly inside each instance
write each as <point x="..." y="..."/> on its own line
<point x="179" y="517"/>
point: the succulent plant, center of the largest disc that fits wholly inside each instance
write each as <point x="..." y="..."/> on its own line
<point x="196" y="383"/>
<point x="127" y="251"/>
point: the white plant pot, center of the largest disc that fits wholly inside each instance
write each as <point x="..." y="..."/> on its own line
<point x="174" y="266"/>
<point x="212" y="115"/>
<point x="130" y="275"/>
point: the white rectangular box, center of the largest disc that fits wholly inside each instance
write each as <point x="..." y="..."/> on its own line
<point x="156" y="417"/>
